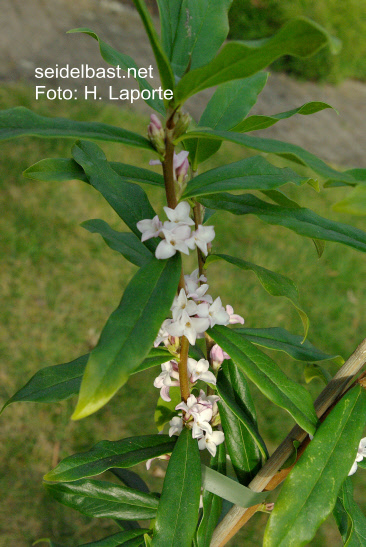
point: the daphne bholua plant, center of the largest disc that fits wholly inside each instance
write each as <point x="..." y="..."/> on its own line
<point x="206" y="416"/>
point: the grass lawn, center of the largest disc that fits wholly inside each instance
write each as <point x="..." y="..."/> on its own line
<point x="59" y="284"/>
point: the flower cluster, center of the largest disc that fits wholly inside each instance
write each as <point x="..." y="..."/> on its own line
<point x="199" y="414"/>
<point x="176" y="232"/>
<point x="193" y="312"/>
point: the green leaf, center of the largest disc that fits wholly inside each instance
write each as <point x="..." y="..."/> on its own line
<point x="281" y="340"/>
<point x="59" y="382"/>
<point x="254" y="123"/>
<point x="126" y="243"/>
<point x="253" y="173"/>
<point x="268" y="377"/>
<point x="349" y="517"/>
<point x="310" y="491"/>
<point x="229" y="489"/>
<point x="302" y="221"/>
<point x="274" y="283"/>
<point x="127" y="64"/>
<point x="313" y="371"/>
<point x="121" y="538"/>
<point x="212" y="504"/>
<point x="354" y="203"/>
<point x="286" y="150"/>
<point x="62" y="169"/>
<point x="107" y="454"/>
<point x="228" y="106"/>
<point x="300" y="37"/>
<point x="239" y="423"/>
<point x="22" y="122"/>
<point x="128" y="200"/>
<point x="130" y="479"/>
<point x="129" y="333"/>
<point x="48" y="541"/>
<point x="179" y="503"/>
<point x="103" y="499"/>
<point x="165" y="70"/>
<point x="192" y="31"/>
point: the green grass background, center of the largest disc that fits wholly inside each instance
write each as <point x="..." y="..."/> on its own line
<point x="252" y="19"/>
<point x="59" y="283"/>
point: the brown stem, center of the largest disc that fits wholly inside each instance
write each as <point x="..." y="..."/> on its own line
<point x="183" y="370"/>
<point x="235" y="518"/>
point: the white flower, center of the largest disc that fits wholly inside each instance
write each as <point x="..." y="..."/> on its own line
<point x="192" y="281"/>
<point x="149" y="227"/>
<point x="361" y="454"/>
<point x="200" y="294"/>
<point x="211" y="441"/>
<point x="175" y="240"/>
<point x="199" y="371"/>
<point x="178" y="216"/>
<point x="207" y="400"/>
<point x="200" y="238"/>
<point x="234" y="317"/>
<point x="188" y="327"/>
<point x="176" y="426"/>
<point x="215" y="313"/>
<point x="163" y="334"/>
<point x="181" y="303"/>
<point x="201" y="415"/>
<point x="167" y="378"/>
<point x="201" y="422"/>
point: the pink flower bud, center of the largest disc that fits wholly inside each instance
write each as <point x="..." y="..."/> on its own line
<point x="218" y="355"/>
<point x="154" y="120"/>
<point x="181" y="165"/>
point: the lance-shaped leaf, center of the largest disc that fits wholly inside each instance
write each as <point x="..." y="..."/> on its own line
<point x="62" y="169"/>
<point x="312" y="371"/>
<point x="103" y="499"/>
<point x="130" y="479"/>
<point x="268" y="377"/>
<point x="274" y="283"/>
<point x="253" y="173"/>
<point x="286" y="150"/>
<point x="212" y="504"/>
<point x="229" y="489"/>
<point x="354" y="203"/>
<point x="129" y="333"/>
<point x="310" y="491"/>
<point x="21" y="122"/>
<point x="127" y="64"/>
<point x="239" y="423"/>
<point x="121" y="538"/>
<point x="128" y="200"/>
<point x="350" y="520"/>
<point x="192" y="31"/>
<point x="281" y="340"/>
<point x="300" y="37"/>
<point x="302" y="221"/>
<point x="228" y="106"/>
<point x="177" y="515"/>
<point x="253" y="123"/>
<point x="126" y="243"/>
<point x="165" y="70"/>
<point x="59" y="382"/>
<point x="107" y="454"/>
